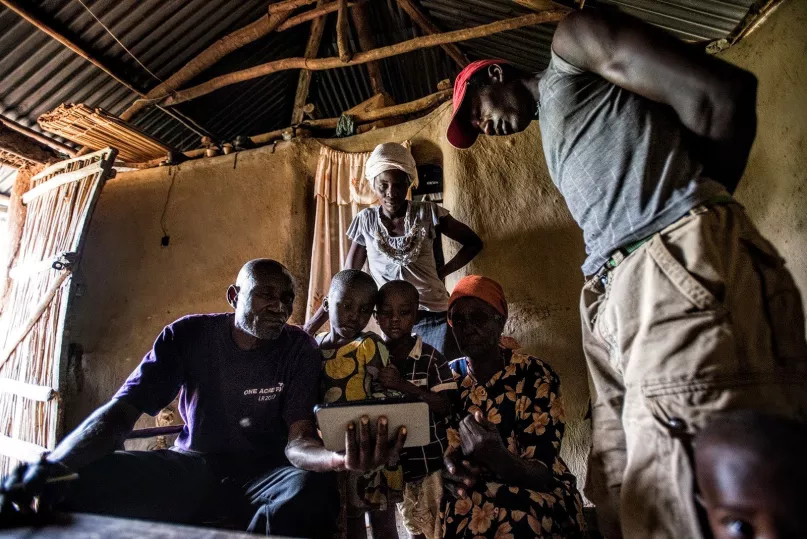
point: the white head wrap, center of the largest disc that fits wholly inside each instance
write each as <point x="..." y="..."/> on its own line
<point x="391" y="156"/>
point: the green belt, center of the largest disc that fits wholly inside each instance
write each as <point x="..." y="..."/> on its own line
<point x="630" y="248"/>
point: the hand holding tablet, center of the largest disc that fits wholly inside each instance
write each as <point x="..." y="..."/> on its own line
<point x="356" y="427"/>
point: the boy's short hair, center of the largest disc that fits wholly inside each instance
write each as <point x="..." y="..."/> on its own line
<point x="351" y="279"/>
<point x="758" y="432"/>
<point x="403" y="288"/>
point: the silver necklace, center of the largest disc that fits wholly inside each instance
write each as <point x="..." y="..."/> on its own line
<point x="402" y="250"/>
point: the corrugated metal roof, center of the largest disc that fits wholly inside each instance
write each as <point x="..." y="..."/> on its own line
<point x="698" y="20"/>
<point x="37" y="73"/>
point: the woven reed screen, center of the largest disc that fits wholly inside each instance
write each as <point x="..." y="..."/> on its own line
<point x="32" y="361"/>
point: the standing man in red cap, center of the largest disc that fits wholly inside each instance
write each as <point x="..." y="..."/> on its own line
<point x="687" y="310"/>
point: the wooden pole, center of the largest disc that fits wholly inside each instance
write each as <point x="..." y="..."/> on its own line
<point x="18" y="8"/>
<point x="22" y="146"/>
<point x="342" y="41"/>
<point x="314" y="14"/>
<point x="318" y="64"/>
<point x="207" y="58"/>
<point x="429" y="28"/>
<point x="361" y="21"/>
<point x="537" y="5"/>
<point x="288" y="5"/>
<point x="20" y="449"/>
<point x="412" y="107"/>
<point x="30" y="133"/>
<point x="29" y="391"/>
<point x="40" y="309"/>
<point x="304" y="81"/>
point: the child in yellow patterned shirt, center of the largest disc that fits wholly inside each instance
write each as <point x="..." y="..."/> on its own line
<point x="352" y="360"/>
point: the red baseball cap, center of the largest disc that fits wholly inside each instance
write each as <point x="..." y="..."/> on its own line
<point x="460" y="133"/>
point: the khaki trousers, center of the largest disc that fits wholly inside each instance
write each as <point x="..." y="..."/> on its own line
<point x="702" y="318"/>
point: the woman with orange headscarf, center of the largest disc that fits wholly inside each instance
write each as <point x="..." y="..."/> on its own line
<point x="504" y="476"/>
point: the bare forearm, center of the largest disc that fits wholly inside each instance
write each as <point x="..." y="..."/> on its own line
<point x="316" y="321"/>
<point x="309" y="454"/>
<point x="99" y="435"/>
<point x="461" y="259"/>
<point x="463" y="234"/>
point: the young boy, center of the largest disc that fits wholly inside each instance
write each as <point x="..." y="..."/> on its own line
<point x="751" y="472"/>
<point x="352" y="360"/>
<point x="416" y="369"/>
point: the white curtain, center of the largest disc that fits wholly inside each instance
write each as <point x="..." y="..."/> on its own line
<point x="341" y="192"/>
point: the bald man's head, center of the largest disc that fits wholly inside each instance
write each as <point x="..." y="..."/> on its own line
<point x="262" y="268"/>
<point x="263" y="298"/>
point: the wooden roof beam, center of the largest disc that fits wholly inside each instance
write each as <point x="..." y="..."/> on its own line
<point x="537" y="5"/>
<point x="361" y="21"/>
<point x="315" y="13"/>
<point x="429" y="28"/>
<point x="304" y="81"/>
<point x="342" y="41"/>
<point x="208" y="57"/>
<point x="288" y="5"/>
<point x="386" y="113"/>
<point x="277" y="19"/>
<point x="318" y="64"/>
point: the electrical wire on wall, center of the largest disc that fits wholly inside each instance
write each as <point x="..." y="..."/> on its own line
<point x="166" y="239"/>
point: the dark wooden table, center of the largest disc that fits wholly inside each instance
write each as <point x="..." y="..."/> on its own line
<point x="83" y="526"/>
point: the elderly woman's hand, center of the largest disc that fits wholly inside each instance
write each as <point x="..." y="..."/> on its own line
<point x="480" y="438"/>
<point x="459" y="475"/>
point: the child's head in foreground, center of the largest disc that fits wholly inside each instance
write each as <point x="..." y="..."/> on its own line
<point x="350" y="302"/>
<point x="752" y="474"/>
<point x="397" y="309"/>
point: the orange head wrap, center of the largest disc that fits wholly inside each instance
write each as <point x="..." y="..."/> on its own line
<point x="484" y="288"/>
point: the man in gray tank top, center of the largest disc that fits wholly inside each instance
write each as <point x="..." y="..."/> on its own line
<point x="687" y="310"/>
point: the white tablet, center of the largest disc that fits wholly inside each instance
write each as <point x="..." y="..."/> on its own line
<point x="334" y="418"/>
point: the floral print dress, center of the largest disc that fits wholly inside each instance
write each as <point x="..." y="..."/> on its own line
<point x="523" y="401"/>
<point x="350" y="373"/>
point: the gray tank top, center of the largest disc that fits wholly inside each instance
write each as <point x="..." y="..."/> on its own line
<point x="622" y="162"/>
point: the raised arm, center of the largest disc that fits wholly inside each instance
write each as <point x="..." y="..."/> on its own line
<point x="713" y="99"/>
<point x="356" y="258"/>
<point x="462" y="234"/>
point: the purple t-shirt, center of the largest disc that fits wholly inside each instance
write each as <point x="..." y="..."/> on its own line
<point x="233" y="402"/>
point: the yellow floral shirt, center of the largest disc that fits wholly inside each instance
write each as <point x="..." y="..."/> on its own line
<point x="350" y="373"/>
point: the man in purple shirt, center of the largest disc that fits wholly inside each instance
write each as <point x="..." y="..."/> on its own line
<point x="248" y="457"/>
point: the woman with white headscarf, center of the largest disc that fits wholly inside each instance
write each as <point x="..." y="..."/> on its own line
<point x="396" y="238"/>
